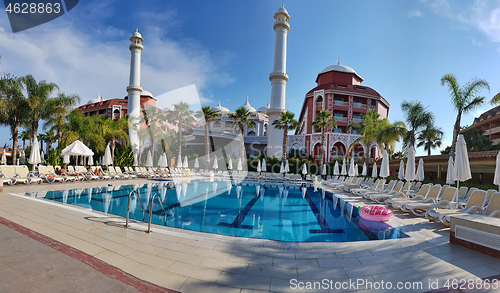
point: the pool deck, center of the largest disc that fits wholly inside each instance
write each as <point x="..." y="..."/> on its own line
<point x="188" y="261"/>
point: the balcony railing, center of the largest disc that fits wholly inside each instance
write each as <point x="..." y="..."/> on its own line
<point x="356" y="120"/>
<point x="340" y="103"/>
<point x="340" y="119"/>
<point x="359" y="106"/>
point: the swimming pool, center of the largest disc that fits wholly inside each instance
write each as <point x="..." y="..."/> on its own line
<point x="266" y="210"/>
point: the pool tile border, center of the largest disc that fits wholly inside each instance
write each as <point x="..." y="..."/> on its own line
<point x="97" y="264"/>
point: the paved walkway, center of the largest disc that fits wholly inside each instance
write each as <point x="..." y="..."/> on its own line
<point x="199" y="262"/>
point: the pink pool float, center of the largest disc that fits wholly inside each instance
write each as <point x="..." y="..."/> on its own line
<point x="375" y="213"/>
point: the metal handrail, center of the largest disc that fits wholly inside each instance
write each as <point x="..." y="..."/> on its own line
<point x="156" y="194"/>
<point x="128" y="205"/>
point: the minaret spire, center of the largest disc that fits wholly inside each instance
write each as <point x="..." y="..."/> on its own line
<point x="134" y="88"/>
<point x="278" y="78"/>
<point x="339" y="62"/>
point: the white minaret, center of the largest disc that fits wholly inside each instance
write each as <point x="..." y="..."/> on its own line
<point x="278" y="79"/>
<point x="134" y="88"/>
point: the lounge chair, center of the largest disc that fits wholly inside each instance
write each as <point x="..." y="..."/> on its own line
<point x="9" y="176"/>
<point x="433" y="195"/>
<point x="421" y="194"/>
<point x="464" y="199"/>
<point x="416" y="187"/>
<point x="376" y="186"/>
<point x="88" y="175"/>
<point x="49" y="177"/>
<point x="389" y="190"/>
<point x="490" y="193"/>
<point x="492" y="208"/>
<point x="380" y="187"/>
<point x="23" y="172"/>
<point x="66" y="177"/>
<point x="394" y="194"/>
<point x="420" y="209"/>
<point x="476" y="202"/>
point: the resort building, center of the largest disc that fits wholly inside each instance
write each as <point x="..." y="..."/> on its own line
<point x="115" y="108"/>
<point x="339" y="91"/>
<point x="489" y="121"/>
<point x="224" y="134"/>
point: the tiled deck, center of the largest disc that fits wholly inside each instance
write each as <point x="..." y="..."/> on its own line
<point x="199" y="262"/>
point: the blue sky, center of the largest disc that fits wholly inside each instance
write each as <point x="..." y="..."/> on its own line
<point x="225" y="48"/>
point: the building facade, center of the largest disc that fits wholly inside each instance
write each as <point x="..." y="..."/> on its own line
<point x="489" y="121"/>
<point x="339" y="91"/>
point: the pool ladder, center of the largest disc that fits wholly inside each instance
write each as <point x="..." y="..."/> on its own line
<point x="151" y="200"/>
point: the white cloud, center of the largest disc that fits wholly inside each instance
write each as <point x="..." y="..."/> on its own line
<point x="415" y="13"/>
<point x="95" y="58"/>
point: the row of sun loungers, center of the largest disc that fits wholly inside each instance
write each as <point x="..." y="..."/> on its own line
<point x="434" y="202"/>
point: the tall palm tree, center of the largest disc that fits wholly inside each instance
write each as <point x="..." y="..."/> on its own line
<point x="430" y="138"/>
<point x="464" y="99"/>
<point x="49" y="137"/>
<point x="183" y="116"/>
<point x="322" y="120"/>
<point x="417" y="118"/>
<point x="368" y="128"/>
<point x="39" y="101"/>
<point x="154" y="120"/>
<point x="388" y="139"/>
<point x="240" y="120"/>
<point x="286" y="122"/>
<point x="60" y="107"/>
<point x="12" y="108"/>
<point x="88" y="129"/>
<point x="206" y="113"/>
<point x="41" y="138"/>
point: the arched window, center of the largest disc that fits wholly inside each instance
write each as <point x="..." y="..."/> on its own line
<point x="116" y="113"/>
<point x="319" y="104"/>
<point x="217" y="124"/>
<point x="251" y="133"/>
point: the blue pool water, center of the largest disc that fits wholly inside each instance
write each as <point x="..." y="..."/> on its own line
<point x="277" y="211"/>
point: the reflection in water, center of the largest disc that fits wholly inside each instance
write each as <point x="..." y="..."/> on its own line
<point x="269" y="210"/>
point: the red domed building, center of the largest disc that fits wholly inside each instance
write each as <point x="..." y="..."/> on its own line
<point x="339" y="91"/>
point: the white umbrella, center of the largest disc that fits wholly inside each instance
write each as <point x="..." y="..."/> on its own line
<point x="35" y="154"/>
<point x="449" y="173"/>
<point x="149" y="160"/>
<point x="410" y="165"/>
<point x="324" y="170"/>
<point x="304" y="169"/>
<point x="496" y="179"/>
<point x="179" y="162"/>
<point x="108" y="160"/>
<point x="420" y="170"/>
<point x="196" y="163"/>
<point x="259" y="168"/>
<point x="42" y="156"/>
<point x="136" y="160"/>
<point x="351" y="172"/>
<point x="336" y="168"/>
<point x="4" y="157"/>
<point x="77" y="148"/>
<point x="215" y="166"/>
<point x="264" y="168"/>
<point x="185" y="163"/>
<point x="374" y="170"/>
<point x="91" y="161"/>
<point x="356" y="170"/>
<point x="364" y="172"/>
<point x="282" y="168"/>
<point x="240" y="166"/>
<point x="66" y="159"/>
<point x="461" y="170"/>
<point x="23" y="157"/>
<point x="384" y="167"/>
<point x="401" y="173"/>
<point x="230" y="164"/>
<point x="344" y="168"/>
<point x="160" y="161"/>
<point x="287" y="167"/>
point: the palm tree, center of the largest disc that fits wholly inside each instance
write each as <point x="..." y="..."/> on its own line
<point x="323" y="120"/>
<point x="25" y="135"/>
<point x="41" y="138"/>
<point x="39" y="101"/>
<point x="368" y="127"/>
<point x="286" y="122"/>
<point x="388" y="139"/>
<point x="417" y="118"/>
<point x="154" y="119"/>
<point x="430" y="138"/>
<point x="464" y="99"/>
<point x="12" y="108"/>
<point x="88" y="129"/>
<point x="59" y="109"/>
<point x="183" y="116"/>
<point x="206" y="113"/>
<point x="49" y="137"/>
<point x="240" y="120"/>
<point x="116" y="130"/>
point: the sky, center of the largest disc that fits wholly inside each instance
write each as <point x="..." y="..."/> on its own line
<point x="225" y="48"/>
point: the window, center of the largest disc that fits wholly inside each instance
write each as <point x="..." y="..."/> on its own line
<point x="337" y="130"/>
<point x="251" y="133"/>
<point x="354" y="131"/>
<point x="217" y="124"/>
<point x="116" y="113"/>
<point x="338" y="115"/>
